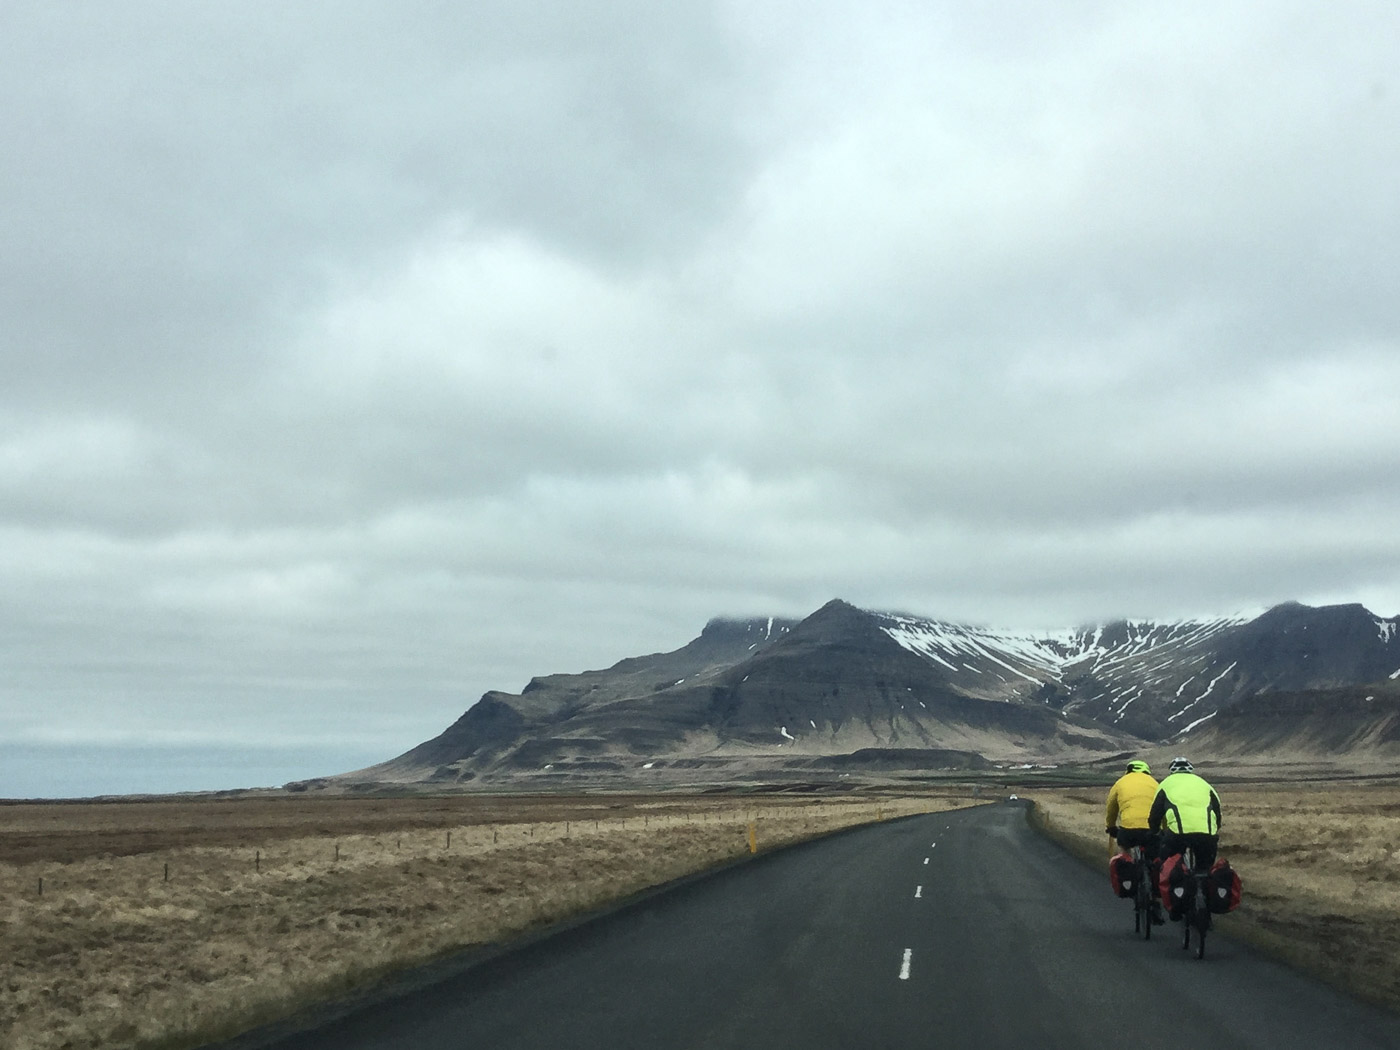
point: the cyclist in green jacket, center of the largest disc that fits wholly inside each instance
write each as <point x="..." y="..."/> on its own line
<point x="1186" y="810"/>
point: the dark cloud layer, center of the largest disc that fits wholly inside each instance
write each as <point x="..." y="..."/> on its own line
<point x="363" y="358"/>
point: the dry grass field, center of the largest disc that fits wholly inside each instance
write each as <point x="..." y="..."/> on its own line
<point x="1320" y="865"/>
<point x="174" y="923"/>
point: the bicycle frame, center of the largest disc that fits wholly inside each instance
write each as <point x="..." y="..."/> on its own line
<point x="1197" y="914"/>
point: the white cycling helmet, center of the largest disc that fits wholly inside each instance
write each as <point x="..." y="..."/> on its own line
<point x="1181" y="765"/>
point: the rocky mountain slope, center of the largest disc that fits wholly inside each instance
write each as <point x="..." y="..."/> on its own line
<point x="1360" y="724"/>
<point x="1159" y="680"/>
<point x="1166" y="680"/>
<point x="788" y="695"/>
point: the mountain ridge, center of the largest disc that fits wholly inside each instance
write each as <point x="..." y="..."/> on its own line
<point x="774" y="695"/>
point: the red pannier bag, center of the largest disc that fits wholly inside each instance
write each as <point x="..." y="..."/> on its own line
<point x="1120" y="874"/>
<point x="1171" y="884"/>
<point x="1224" y="892"/>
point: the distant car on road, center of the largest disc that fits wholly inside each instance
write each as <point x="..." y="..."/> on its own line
<point x="1013" y="798"/>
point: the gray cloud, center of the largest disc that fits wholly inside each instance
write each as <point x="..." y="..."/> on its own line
<point x="183" y="177"/>
<point x="362" y="359"/>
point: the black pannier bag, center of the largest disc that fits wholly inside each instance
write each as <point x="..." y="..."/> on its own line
<point x="1224" y="892"/>
<point x="1120" y="874"/>
<point x="1171" y="884"/>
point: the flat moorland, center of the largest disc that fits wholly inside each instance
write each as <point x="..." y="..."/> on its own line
<point x="1320" y="864"/>
<point x="172" y="923"/>
<point x="63" y="831"/>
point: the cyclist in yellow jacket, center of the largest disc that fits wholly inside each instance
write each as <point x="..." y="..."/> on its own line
<point x="1130" y="806"/>
<point x="1187" y="811"/>
<point x="1126" y="817"/>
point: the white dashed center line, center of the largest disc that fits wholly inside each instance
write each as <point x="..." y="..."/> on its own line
<point x="918" y="892"/>
<point x="904" y="966"/>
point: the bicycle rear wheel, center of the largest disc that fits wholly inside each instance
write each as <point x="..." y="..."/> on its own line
<point x="1201" y="917"/>
<point x="1139" y="918"/>
<point x="1145" y="891"/>
<point x="1188" y="863"/>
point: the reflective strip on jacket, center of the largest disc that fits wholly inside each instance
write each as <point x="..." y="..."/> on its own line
<point x="1130" y="801"/>
<point x="1186" y="805"/>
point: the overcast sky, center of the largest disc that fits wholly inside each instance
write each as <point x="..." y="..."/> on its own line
<point x="362" y="357"/>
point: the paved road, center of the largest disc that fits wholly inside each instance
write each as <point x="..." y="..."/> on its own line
<point x="954" y="930"/>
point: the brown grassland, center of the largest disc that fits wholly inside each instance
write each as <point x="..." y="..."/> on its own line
<point x="1320" y="864"/>
<point x="173" y="923"/>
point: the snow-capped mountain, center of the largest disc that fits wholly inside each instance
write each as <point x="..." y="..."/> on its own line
<point x="846" y="681"/>
<point x="1141" y="676"/>
<point x="1161" y="679"/>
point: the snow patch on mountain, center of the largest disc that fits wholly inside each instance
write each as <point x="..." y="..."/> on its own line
<point x="1033" y="659"/>
<point x="1105" y="650"/>
<point x="1213" y="682"/>
<point x="1197" y="722"/>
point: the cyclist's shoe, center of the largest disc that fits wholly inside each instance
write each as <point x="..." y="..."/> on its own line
<point x="1175" y="916"/>
<point x="1158" y="918"/>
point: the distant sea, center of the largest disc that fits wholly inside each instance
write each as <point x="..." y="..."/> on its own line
<point x="45" y="771"/>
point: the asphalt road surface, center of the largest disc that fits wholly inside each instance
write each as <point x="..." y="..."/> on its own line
<point x="953" y="930"/>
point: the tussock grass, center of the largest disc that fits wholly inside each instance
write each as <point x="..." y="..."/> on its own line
<point x="247" y="928"/>
<point x="1320" y="864"/>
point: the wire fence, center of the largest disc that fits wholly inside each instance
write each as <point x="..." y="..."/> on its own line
<point x="754" y="828"/>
